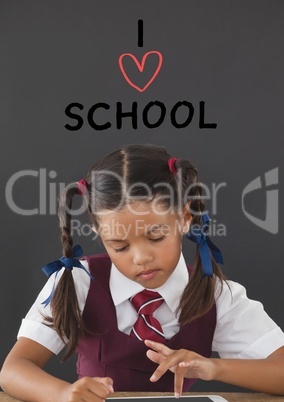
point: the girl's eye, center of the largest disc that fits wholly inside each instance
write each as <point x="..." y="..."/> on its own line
<point x="159" y="239"/>
<point x="118" y="250"/>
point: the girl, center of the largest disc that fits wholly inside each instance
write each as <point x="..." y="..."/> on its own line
<point x="111" y="308"/>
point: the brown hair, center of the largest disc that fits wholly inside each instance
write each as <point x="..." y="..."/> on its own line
<point x="108" y="182"/>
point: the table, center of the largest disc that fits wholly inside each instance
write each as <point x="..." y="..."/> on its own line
<point x="230" y="396"/>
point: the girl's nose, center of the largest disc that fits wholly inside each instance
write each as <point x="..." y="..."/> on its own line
<point x="142" y="257"/>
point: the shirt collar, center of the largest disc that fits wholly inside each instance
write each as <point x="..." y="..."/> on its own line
<point x="122" y="288"/>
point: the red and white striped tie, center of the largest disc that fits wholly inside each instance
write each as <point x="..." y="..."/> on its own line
<point x="147" y="326"/>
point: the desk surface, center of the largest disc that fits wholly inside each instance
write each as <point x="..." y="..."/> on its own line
<point x="230" y="396"/>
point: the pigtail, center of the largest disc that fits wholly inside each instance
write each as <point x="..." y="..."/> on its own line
<point x="199" y="295"/>
<point x="66" y="316"/>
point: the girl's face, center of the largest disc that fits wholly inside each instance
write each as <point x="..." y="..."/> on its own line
<point x="144" y="244"/>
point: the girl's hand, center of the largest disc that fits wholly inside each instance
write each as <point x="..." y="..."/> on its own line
<point x="182" y="362"/>
<point x="89" y="390"/>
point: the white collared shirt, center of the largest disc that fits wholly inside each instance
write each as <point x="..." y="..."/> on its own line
<point x="122" y="289"/>
<point x="243" y="329"/>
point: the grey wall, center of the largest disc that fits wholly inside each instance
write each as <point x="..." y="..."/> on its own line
<point x="228" y="54"/>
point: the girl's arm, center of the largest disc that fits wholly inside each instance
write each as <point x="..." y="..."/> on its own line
<point x="22" y="377"/>
<point x="262" y="375"/>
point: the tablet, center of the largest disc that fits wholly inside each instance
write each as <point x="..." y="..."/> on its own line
<point x="184" y="398"/>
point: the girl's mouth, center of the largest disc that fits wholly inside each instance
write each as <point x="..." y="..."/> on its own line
<point x="149" y="274"/>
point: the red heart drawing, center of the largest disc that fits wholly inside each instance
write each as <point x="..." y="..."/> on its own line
<point x="140" y="67"/>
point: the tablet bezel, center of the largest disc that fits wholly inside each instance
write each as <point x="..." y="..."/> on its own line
<point x="213" y="398"/>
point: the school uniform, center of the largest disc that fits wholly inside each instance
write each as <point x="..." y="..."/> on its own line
<point x="235" y="327"/>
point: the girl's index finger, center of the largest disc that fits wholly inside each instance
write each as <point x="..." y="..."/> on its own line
<point x="166" y="364"/>
<point x="158" y="373"/>
<point x="159" y="347"/>
<point x="178" y="382"/>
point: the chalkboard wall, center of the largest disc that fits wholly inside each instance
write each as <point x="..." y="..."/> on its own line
<point x="82" y="78"/>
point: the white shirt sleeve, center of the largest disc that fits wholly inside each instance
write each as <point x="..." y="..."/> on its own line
<point x="35" y="327"/>
<point x="243" y="329"/>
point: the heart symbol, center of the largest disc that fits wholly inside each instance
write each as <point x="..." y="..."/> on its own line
<point x="140" y="67"/>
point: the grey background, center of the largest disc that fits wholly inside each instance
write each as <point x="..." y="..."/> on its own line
<point x="226" y="53"/>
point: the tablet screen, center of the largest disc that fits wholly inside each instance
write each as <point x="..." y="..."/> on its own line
<point x="187" y="398"/>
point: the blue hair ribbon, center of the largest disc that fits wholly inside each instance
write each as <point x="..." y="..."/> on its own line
<point x="64" y="262"/>
<point x="198" y="234"/>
